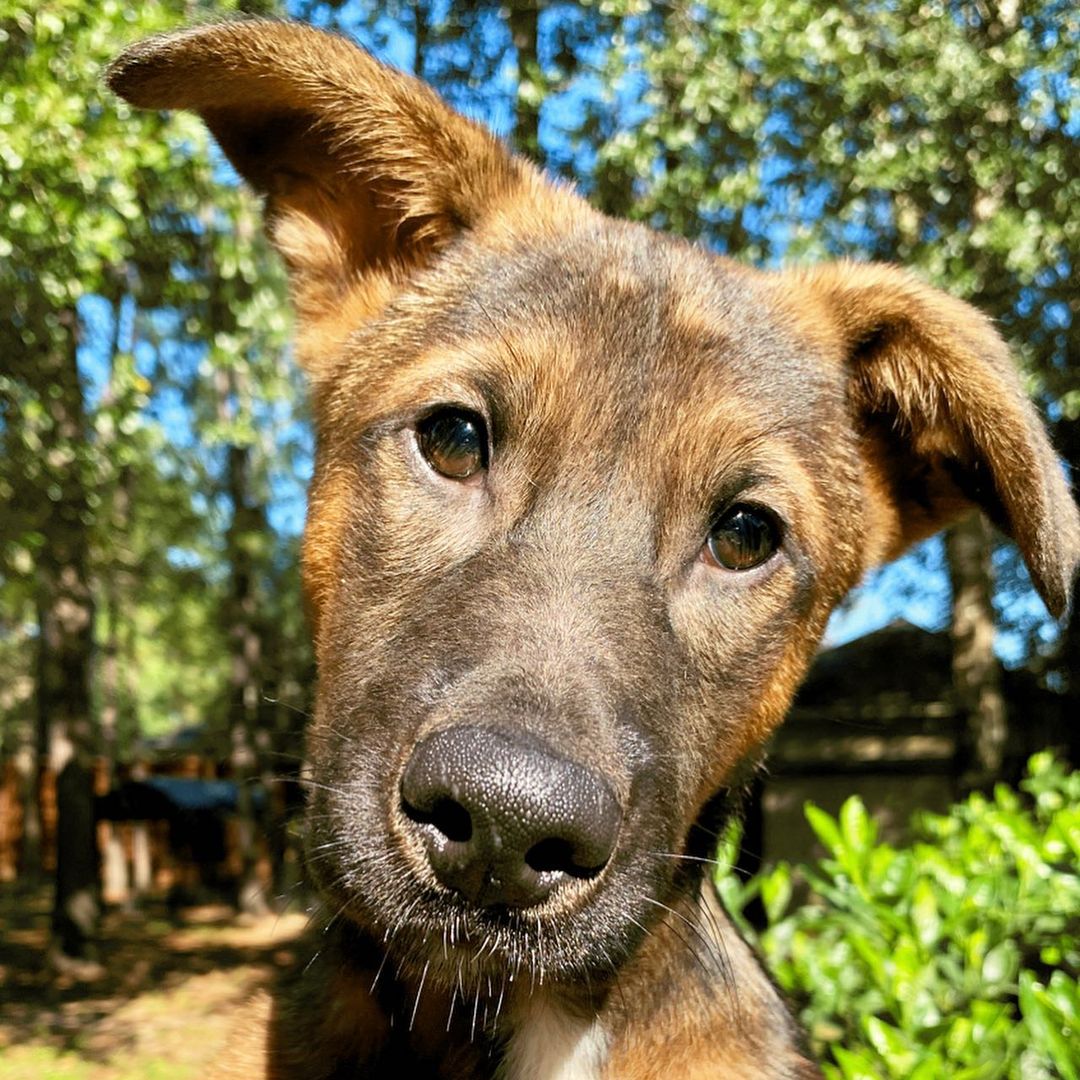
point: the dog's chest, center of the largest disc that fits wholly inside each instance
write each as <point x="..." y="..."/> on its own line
<point x="550" y="1043"/>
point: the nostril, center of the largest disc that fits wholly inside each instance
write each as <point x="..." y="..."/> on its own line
<point x="446" y="815"/>
<point x="556" y="854"/>
<point x="504" y="820"/>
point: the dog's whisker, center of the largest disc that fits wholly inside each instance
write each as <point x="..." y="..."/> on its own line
<point x="682" y="918"/>
<point x="727" y="971"/>
<point x="499" y="1005"/>
<point x="450" y="1011"/>
<point x="693" y="858"/>
<point x="307" y="967"/>
<point x="540" y="948"/>
<point x="476" y="1009"/>
<point x="307" y="782"/>
<point x="686" y="941"/>
<point x="333" y="847"/>
<point x="378" y="973"/>
<point x="337" y="915"/>
<point x="616" y="980"/>
<point x="419" y="991"/>
<point x="288" y="705"/>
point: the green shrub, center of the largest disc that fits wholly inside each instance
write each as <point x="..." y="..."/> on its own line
<point x="956" y="957"/>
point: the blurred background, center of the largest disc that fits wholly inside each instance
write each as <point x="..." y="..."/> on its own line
<point x="155" y="674"/>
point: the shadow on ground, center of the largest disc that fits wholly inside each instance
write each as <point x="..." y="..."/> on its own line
<point x="161" y="1006"/>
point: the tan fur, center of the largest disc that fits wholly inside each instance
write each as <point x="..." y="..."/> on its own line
<point x="679" y="1037"/>
<point x="640" y="387"/>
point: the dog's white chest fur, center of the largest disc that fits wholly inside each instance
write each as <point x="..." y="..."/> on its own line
<point x="549" y="1043"/>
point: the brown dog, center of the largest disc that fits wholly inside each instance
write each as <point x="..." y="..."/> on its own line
<point x="585" y="496"/>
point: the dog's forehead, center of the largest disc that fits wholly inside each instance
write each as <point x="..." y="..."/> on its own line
<point x="614" y="319"/>
<point x="602" y="336"/>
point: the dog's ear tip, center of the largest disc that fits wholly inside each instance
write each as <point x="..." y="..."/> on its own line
<point x="1060" y="584"/>
<point x="1054" y="593"/>
<point x="1054" y="562"/>
<point x="1060" y="589"/>
<point x="140" y="74"/>
<point x="1059" y="603"/>
<point x="131" y="75"/>
<point x="121" y="73"/>
<point x="125" y="75"/>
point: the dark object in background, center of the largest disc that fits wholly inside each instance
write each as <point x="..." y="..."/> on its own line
<point x="197" y="812"/>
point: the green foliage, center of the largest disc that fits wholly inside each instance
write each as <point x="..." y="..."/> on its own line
<point x="937" y="135"/>
<point x="123" y="239"/>
<point x="956" y="956"/>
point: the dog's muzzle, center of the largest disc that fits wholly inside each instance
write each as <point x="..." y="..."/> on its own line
<point x="503" y="819"/>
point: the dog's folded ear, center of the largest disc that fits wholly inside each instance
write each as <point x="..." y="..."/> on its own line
<point x="943" y="416"/>
<point x="367" y="173"/>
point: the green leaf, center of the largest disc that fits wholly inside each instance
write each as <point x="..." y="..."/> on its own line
<point x="776" y="892"/>
<point x="825" y="828"/>
<point x="1050" y="1027"/>
<point x="925" y="916"/>
<point x="856" y="826"/>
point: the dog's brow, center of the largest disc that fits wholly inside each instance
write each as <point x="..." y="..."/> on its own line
<point x="466" y="371"/>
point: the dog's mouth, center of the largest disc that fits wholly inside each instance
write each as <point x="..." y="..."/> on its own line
<point x="498" y="862"/>
<point x="578" y="936"/>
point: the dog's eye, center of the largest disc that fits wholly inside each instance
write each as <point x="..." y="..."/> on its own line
<point x="743" y="537"/>
<point x="453" y="442"/>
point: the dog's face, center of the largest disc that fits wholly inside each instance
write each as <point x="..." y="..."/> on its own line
<point x="585" y="496"/>
<point x="597" y="499"/>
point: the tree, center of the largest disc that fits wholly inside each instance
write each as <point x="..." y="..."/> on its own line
<point x="97" y="205"/>
<point x="62" y="235"/>
<point x="248" y="338"/>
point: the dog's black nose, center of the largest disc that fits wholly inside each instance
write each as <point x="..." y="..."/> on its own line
<point x="503" y="818"/>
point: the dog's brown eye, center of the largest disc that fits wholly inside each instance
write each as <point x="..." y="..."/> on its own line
<point x="453" y="442"/>
<point x="742" y="538"/>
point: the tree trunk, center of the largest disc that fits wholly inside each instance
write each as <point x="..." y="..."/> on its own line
<point x="65" y="616"/>
<point x="114" y="868"/>
<point x="114" y="578"/>
<point x="524" y="30"/>
<point x="64" y="703"/>
<point x="28" y="771"/>
<point x="24" y="734"/>
<point x="246" y="643"/>
<point x="245" y="535"/>
<point x="142" y="870"/>
<point x="420" y="15"/>
<point x="976" y="670"/>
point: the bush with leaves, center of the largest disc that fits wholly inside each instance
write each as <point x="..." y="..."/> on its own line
<point x="957" y="956"/>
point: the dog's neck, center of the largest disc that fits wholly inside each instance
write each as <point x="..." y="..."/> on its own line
<point x="692" y="968"/>
<point x="503" y="1033"/>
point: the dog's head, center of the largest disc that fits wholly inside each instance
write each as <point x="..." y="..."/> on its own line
<point x="584" y="498"/>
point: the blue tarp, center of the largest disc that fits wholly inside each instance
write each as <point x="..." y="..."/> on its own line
<point x="169" y="797"/>
<point x="212" y="795"/>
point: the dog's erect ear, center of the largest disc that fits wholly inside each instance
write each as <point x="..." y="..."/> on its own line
<point x="366" y="172"/>
<point x="944" y="417"/>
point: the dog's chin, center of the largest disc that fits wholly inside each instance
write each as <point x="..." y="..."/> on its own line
<point x="432" y="934"/>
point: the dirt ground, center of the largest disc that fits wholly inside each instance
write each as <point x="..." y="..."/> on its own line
<point x="158" y="1009"/>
